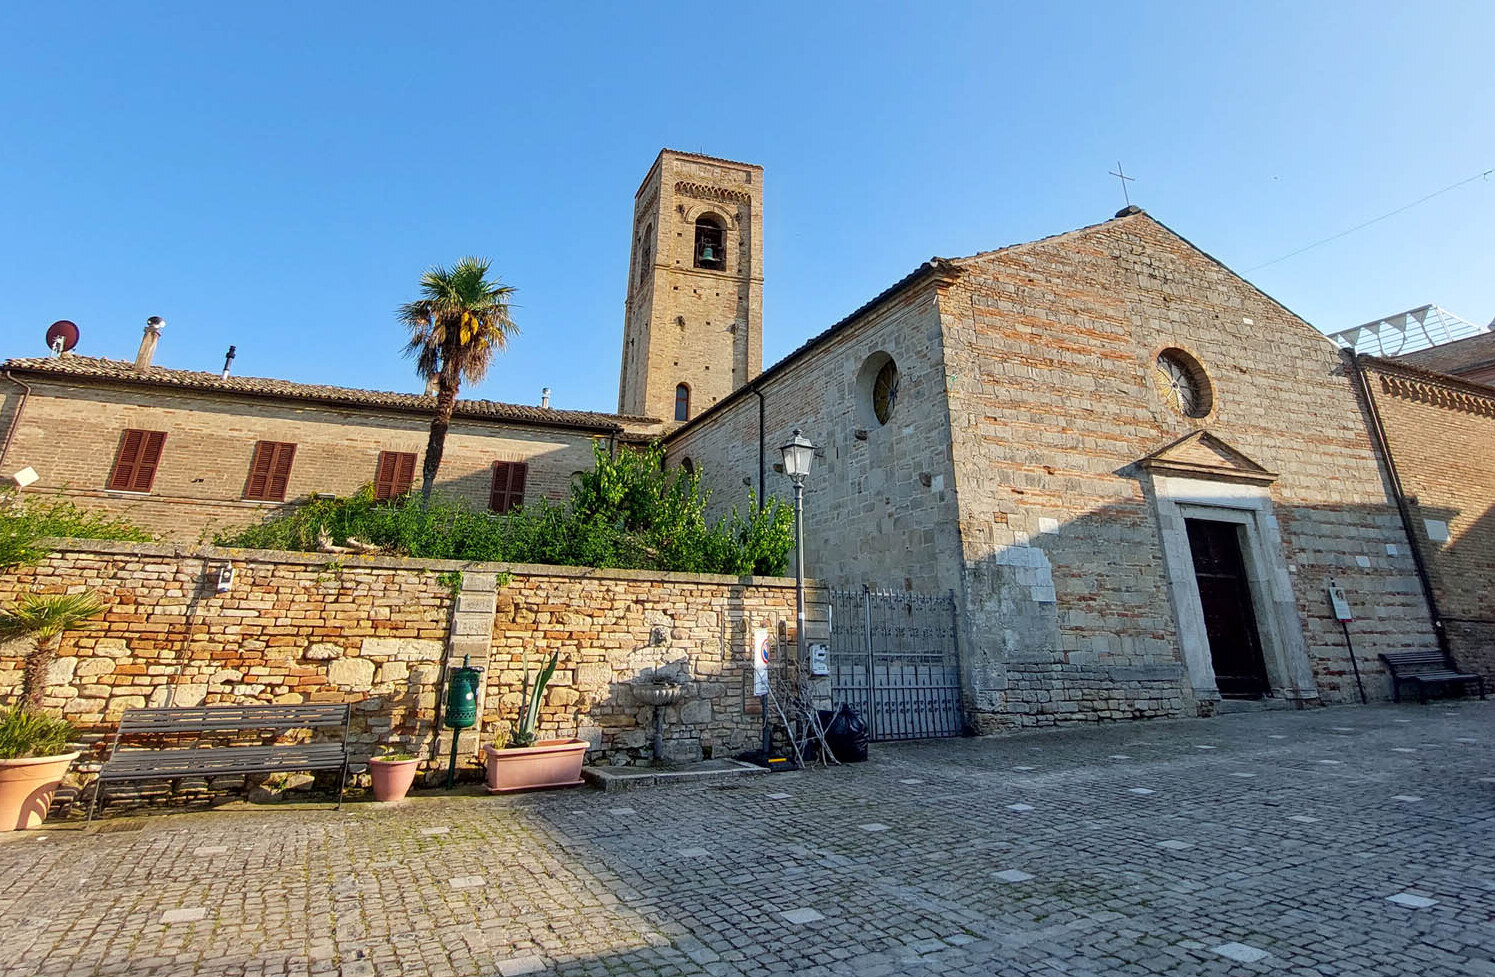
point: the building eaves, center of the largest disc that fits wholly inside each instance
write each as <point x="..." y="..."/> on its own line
<point x="1460" y="384"/>
<point x="89" y="369"/>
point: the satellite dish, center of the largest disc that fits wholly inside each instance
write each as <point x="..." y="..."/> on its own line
<point x="64" y="330"/>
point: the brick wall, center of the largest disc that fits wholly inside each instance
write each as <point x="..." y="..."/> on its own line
<point x="306" y="628"/>
<point x="1050" y="353"/>
<point x="879" y="501"/>
<point x="70" y="433"/>
<point x="1441" y="433"/>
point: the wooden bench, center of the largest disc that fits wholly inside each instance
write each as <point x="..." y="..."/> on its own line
<point x="202" y="759"/>
<point x="1425" y="668"/>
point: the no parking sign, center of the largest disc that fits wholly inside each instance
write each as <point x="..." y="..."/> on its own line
<point x="760" y="661"/>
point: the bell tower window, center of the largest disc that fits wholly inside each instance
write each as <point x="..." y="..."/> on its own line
<point x="646" y="254"/>
<point x="711" y="243"/>
<point x="682" y="403"/>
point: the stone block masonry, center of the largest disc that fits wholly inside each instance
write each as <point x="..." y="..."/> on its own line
<point x="376" y="631"/>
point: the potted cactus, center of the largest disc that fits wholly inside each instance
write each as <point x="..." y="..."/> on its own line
<point x="522" y="762"/>
<point x="392" y="773"/>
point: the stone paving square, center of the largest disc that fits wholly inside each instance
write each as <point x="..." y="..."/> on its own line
<point x="1293" y="874"/>
<point x="183" y="915"/>
<point x="1241" y="952"/>
<point x="518" y="966"/>
<point x="1020" y="808"/>
<point x="802" y="916"/>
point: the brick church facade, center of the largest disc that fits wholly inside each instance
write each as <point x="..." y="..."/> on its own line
<point x="1135" y="473"/>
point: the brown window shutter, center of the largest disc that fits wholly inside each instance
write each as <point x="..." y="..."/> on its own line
<point x="269" y="471"/>
<point x="517" y="472"/>
<point x="384" y="476"/>
<point x="396" y="471"/>
<point x="280" y="471"/>
<point x="498" y="495"/>
<point x="150" y="457"/>
<point x="508" y="485"/>
<point x="405" y="474"/>
<point x="135" y="465"/>
<point x="123" y="476"/>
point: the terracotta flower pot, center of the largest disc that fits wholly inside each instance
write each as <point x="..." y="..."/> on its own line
<point x="26" y="789"/>
<point x="549" y="763"/>
<point x="392" y="778"/>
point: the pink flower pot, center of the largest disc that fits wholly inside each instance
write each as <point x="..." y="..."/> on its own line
<point x="392" y="778"/>
<point x="549" y="763"/>
<point x="26" y="789"/>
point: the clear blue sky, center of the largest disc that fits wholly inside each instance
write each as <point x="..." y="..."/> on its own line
<point x="276" y="176"/>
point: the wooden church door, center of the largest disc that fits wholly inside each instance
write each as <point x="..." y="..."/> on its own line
<point x="1229" y="621"/>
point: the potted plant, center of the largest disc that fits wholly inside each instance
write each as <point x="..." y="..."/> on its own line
<point x="524" y="763"/>
<point x="44" y="618"/>
<point x="33" y="746"/>
<point x="392" y="773"/>
<point x="33" y="760"/>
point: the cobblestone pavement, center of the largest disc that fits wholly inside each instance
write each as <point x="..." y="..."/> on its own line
<point x="1339" y="841"/>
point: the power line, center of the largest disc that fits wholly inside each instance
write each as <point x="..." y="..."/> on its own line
<point x="1373" y="220"/>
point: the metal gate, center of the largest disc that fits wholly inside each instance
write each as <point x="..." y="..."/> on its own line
<point x="893" y="659"/>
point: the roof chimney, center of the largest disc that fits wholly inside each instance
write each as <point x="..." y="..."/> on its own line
<point x="228" y="361"/>
<point x="153" y="327"/>
<point x="544" y="396"/>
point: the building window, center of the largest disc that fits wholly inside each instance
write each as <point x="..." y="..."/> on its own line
<point x="395" y="473"/>
<point x="269" y="471"/>
<point x="682" y="403"/>
<point x="877" y="389"/>
<point x="1182" y="383"/>
<point x="646" y="254"/>
<point x="135" y="464"/>
<point x="507" y="492"/>
<point x="711" y="243"/>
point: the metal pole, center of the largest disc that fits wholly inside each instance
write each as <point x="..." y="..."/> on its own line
<point x="799" y="566"/>
<point x="871" y="665"/>
<point x="451" y="770"/>
<point x="1353" y="663"/>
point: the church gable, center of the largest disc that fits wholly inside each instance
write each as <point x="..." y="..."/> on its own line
<point x="1202" y="455"/>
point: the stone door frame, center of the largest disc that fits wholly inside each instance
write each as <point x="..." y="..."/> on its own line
<point x="1272" y="596"/>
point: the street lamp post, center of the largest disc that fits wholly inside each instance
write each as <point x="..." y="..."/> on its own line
<point x="798" y="455"/>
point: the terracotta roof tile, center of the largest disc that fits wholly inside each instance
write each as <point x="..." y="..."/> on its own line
<point x="92" y="368"/>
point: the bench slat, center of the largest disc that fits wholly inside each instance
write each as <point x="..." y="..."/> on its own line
<point x="165" y="764"/>
<point x="230" y="717"/>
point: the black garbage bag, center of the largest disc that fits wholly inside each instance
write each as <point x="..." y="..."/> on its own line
<point x="847" y="736"/>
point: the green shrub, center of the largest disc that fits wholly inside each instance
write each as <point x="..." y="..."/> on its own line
<point x="628" y="512"/>
<point x="24" y="733"/>
<point x="24" y="521"/>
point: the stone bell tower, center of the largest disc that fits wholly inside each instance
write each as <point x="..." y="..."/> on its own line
<point x="693" y="320"/>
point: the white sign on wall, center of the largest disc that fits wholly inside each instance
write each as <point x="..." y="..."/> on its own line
<point x="760" y="661"/>
<point x="1341" y="603"/>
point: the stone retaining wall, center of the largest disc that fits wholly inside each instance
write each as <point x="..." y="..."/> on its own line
<point x="376" y="631"/>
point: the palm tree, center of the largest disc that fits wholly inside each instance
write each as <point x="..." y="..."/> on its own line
<point x="44" y="619"/>
<point x="458" y="323"/>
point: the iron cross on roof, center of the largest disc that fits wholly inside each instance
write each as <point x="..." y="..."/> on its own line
<point x="1120" y="174"/>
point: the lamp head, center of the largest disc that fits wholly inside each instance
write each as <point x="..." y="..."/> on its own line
<point x="798" y="454"/>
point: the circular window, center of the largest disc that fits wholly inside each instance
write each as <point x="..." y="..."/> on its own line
<point x="1182" y="383"/>
<point x="877" y="389"/>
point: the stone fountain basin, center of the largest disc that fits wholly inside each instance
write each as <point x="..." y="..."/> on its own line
<point x="658" y="693"/>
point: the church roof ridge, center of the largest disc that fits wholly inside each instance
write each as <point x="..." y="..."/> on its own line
<point x="104" y="370"/>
